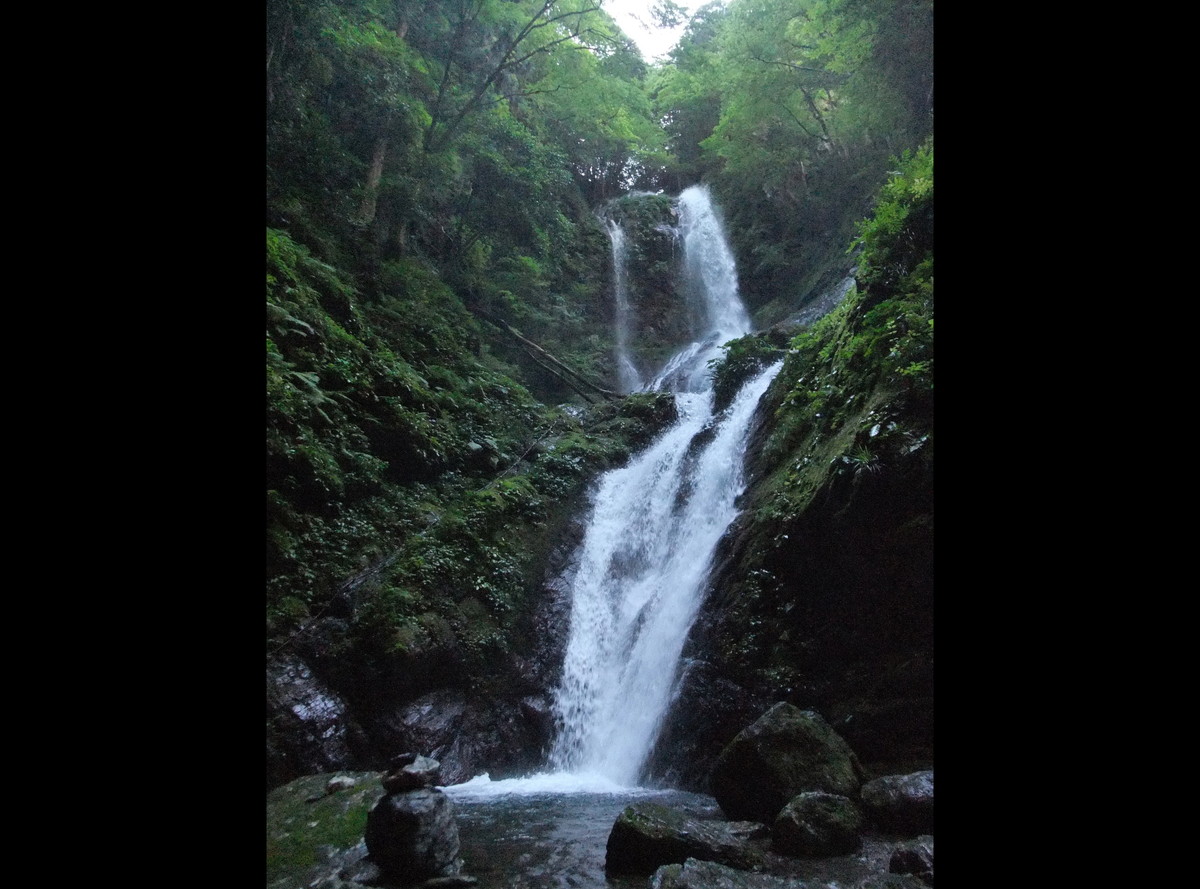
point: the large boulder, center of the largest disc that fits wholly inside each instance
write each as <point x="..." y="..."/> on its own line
<point x="413" y="836"/>
<point x="648" y="835"/>
<point x="817" y="825"/>
<point x="315" y="825"/>
<point x="900" y="803"/>
<point x="786" y="752"/>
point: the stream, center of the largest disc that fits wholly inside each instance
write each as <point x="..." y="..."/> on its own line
<point x="550" y="832"/>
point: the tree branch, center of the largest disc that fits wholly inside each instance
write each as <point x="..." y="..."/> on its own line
<point x="537" y="352"/>
<point x="506" y="62"/>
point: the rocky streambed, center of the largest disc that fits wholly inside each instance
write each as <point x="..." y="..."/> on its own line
<point x="833" y="831"/>
<point x="537" y="841"/>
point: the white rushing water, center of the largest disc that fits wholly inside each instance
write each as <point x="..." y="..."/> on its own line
<point x="710" y="287"/>
<point x="654" y="526"/>
<point x="648" y="547"/>
<point x="628" y="378"/>
<point x="645" y="559"/>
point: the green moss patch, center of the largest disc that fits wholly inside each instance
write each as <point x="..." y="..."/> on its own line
<point x="305" y="824"/>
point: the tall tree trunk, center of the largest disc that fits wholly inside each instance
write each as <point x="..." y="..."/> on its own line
<point x="366" y="210"/>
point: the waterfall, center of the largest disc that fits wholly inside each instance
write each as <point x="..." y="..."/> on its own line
<point x="644" y="561"/>
<point x="655" y="523"/>
<point x="628" y="378"/>
<point x="645" y="558"/>
<point x="710" y="289"/>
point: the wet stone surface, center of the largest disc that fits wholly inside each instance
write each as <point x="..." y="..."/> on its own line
<point x="558" y="841"/>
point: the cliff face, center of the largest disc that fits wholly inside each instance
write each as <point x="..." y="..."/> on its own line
<point x="828" y="606"/>
<point x="659" y="323"/>
<point x="823" y="591"/>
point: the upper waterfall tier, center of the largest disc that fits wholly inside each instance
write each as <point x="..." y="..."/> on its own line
<point x="675" y="290"/>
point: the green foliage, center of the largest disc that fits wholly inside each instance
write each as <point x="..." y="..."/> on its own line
<point x="432" y="170"/>
<point x="790" y="109"/>
<point x="397" y="456"/>
<point x="597" y="108"/>
<point x="895" y="239"/>
<point x="451" y="133"/>
<point x="858" y="384"/>
<point x="743" y="358"/>
<point x="302" y="819"/>
<point x="472" y="572"/>
<point x="356" y="419"/>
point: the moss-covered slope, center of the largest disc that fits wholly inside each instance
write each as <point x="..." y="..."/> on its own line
<point x="413" y="489"/>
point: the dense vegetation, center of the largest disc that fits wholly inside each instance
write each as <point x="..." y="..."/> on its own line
<point x="793" y="111"/>
<point x="438" y="318"/>
<point x="853" y="424"/>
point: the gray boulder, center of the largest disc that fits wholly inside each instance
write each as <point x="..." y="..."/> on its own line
<point x="786" y="752"/>
<point x="900" y="803"/>
<point x="818" y="825"/>
<point x="413" y="836"/>
<point x="648" y="835"/>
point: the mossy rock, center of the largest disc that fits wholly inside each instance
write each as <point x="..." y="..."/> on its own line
<point x="786" y="752"/>
<point x="308" y="825"/>
<point x="648" y="835"/>
<point x="818" y="825"/>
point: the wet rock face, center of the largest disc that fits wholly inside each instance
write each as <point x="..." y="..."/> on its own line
<point x="308" y="727"/>
<point x="818" y="825"/>
<point x="901" y="803"/>
<point x="786" y="752"/>
<point x="707" y="714"/>
<point x="648" y="835"/>
<point x="468" y="735"/>
<point x="659" y="323"/>
<point x="413" y="836"/>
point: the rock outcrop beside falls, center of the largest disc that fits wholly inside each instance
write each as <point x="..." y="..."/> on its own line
<point x="822" y="596"/>
<point x="314" y="728"/>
